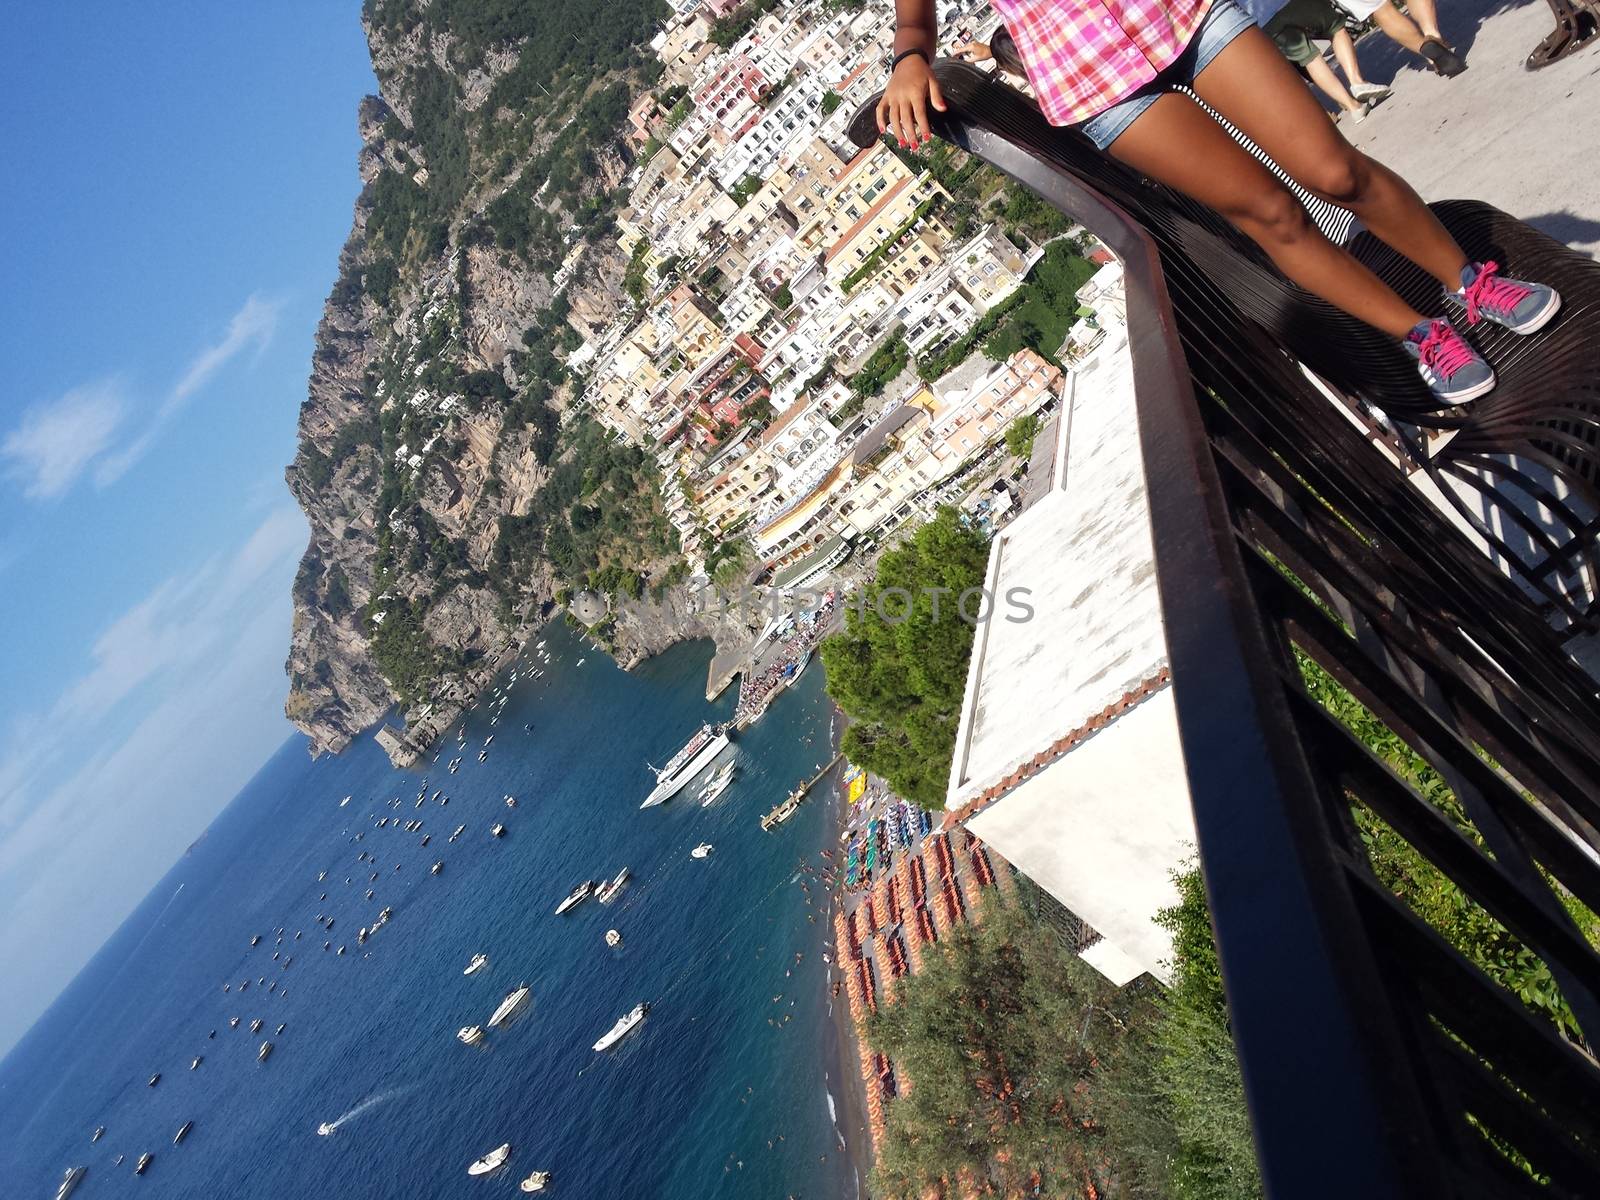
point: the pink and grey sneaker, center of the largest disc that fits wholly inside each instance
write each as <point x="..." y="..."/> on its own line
<point x="1488" y="295"/>
<point x="1452" y="369"/>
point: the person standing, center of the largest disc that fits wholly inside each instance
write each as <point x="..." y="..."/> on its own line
<point x="1110" y="69"/>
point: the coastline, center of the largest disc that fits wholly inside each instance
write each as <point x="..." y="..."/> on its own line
<point x="841" y="1048"/>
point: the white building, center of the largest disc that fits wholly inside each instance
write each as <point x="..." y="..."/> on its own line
<point x="1086" y="794"/>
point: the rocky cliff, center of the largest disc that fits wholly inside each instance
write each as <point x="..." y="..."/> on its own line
<point x="451" y="487"/>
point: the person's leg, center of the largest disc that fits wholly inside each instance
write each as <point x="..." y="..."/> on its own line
<point x="1251" y="85"/>
<point x="1426" y="15"/>
<point x="1322" y="75"/>
<point x="1398" y="27"/>
<point x="1344" y="49"/>
<point x="1176" y="142"/>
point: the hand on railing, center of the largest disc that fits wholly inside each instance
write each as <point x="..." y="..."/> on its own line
<point x="903" y="107"/>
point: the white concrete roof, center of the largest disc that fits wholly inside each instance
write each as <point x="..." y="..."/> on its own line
<point x="1082" y="556"/>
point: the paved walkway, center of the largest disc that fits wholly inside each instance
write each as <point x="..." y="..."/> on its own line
<point x="1525" y="141"/>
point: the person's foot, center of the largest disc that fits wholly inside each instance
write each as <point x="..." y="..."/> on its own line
<point x="1487" y="295"/>
<point x="1442" y="58"/>
<point x="1453" y="370"/>
<point x="1370" y="92"/>
<point x="1357" y="114"/>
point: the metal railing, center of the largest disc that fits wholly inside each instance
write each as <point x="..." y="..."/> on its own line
<point x="1378" y="1061"/>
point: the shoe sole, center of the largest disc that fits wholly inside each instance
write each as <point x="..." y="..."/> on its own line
<point x="1470" y="394"/>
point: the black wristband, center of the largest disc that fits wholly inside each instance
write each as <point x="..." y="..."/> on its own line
<point x="915" y="51"/>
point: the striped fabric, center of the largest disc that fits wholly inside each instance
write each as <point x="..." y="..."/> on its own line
<point x="1082" y="56"/>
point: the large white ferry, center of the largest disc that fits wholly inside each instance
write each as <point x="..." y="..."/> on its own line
<point x="708" y="742"/>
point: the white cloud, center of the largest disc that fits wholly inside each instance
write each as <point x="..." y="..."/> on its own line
<point x="164" y="639"/>
<point x="56" y="441"/>
<point x="251" y="327"/>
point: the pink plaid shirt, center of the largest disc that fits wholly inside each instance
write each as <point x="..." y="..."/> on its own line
<point x="1085" y="55"/>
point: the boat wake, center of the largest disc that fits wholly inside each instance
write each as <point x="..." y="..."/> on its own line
<point x="328" y="1127"/>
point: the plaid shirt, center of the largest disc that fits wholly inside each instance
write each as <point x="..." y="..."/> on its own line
<point x="1083" y="56"/>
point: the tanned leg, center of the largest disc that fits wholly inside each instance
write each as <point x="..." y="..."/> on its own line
<point x="1177" y="142"/>
<point x="1252" y="85"/>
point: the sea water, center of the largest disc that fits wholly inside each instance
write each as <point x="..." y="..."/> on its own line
<point x="720" y="1092"/>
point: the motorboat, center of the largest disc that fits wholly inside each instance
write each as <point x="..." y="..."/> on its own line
<point x="491" y="1161"/>
<point x="708" y="742"/>
<point x="470" y="1035"/>
<point x="69" y="1181"/>
<point x="264" y="1052"/>
<point x="144" y="1161"/>
<point x="498" y="831"/>
<point x="511" y="801"/>
<point x="278" y="1032"/>
<point x="233" y="1022"/>
<point x="702" y="850"/>
<point x="719" y="783"/>
<point x="326" y="1129"/>
<point x="255" y="1026"/>
<point x="198" y="1059"/>
<point x="575" y="897"/>
<point x="154" y="1079"/>
<point x="256" y="941"/>
<point x="613" y="938"/>
<point x="479" y="961"/>
<point x="624" y="1026"/>
<point x="183" y="1132"/>
<point x="99" y="1132"/>
<point x="536" y="1182"/>
<point x="510" y="1006"/>
<point x="436" y="868"/>
<point x="460" y="829"/>
<point x="608" y="891"/>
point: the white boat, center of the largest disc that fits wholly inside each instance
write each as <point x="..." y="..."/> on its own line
<point x="470" y="1035"/>
<point x="460" y="829"/>
<point x="624" y="1026"/>
<point x="479" y="961"/>
<point x="75" y="1175"/>
<point x="266" y="1049"/>
<point x="326" y="1128"/>
<point x="198" y="1059"/>
<point x="255" y="1026"/>
<point x="718" y="784"/>
<point x="487" y="741"/>
<point x="510" y="1006"/>
<point x="144" y="1161"/>
<point x="607" y="892"/>
<point x="697" y="753"/>
<point x="436" y="868"/>
<point x="536" y="1182"/>
<point x="511" y="801"/>
<point x="575" y="897"/>
<point x="498" y="830"/>
<point x="183" y="1132"/>
<point x="702" y="850"/>
<point x="613" y="938"/>
<point x="99" y="1132"/>
<point x="491" y="1161"/>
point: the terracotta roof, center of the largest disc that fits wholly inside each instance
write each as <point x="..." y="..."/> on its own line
<point x="785" y="418"/>
<point x="849" y="234"/>
<point x="1058" y="749"/>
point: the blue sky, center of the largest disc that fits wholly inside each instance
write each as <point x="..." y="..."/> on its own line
<point x="179" y="179"/>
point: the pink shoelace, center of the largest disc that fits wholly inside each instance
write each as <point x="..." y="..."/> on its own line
<point x="1490" y="291"/>
<point x="1444" y="349"/>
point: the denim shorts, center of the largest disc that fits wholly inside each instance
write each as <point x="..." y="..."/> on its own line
<point x="1223" y="22"/>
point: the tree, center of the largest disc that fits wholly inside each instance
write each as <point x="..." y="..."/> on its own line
<point x="999" y="1037"/>
<point x="1020" y="435"/>
<point x="899" y="668"/>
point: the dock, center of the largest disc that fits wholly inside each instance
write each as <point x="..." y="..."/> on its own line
<point x="787" y="809"/>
